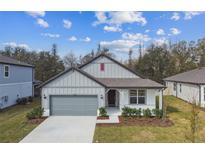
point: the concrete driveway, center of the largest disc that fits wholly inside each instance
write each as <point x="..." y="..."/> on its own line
<point x="63" y="129"/>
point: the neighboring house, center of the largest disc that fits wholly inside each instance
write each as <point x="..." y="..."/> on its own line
<point x="102" y="82"/>
<point x="16" y="79"/>
<point x="188" y="86"/>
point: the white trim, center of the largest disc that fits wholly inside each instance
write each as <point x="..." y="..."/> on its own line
<point x="137" y="90"/>
<point x="8" y="71"/>
<point x="10" y="84"/>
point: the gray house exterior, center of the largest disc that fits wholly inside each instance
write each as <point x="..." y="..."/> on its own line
<point x="16" y="81"/>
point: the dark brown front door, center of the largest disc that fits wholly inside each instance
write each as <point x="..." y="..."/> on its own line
<point x="111" y="98"/>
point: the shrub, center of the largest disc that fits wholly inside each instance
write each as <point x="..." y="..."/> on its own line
<point x="30" y="99"/>
<point x="147" y="113"/>
<point x="133" y="112"/>
<point x="158" y="112"/>
<point x="103" y="112"/>
<point x="35" y="113"/>
<point x="126" y="111"/>
<point x="22" y="101"/>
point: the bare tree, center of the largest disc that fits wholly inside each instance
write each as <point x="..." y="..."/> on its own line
<point x="70" y="60"/>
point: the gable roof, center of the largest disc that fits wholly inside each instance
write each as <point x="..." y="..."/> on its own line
<point x="115" y="61"/>
<point x="9" y="60"/>
<point x="196" y="76"/>
<point x="68" y="70"/>
<point x="129" y="83"/>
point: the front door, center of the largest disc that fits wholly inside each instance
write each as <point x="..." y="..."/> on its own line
<point x="111" y="98"/>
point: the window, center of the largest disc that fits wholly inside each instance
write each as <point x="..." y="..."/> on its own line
<point x="180" y="88"/>
<point x="6" y="71"/>
<point x="102" y="67"/>
<point x="137" y="96"/>
<point x="204" y="93"/>
<point x="175" y="86"/>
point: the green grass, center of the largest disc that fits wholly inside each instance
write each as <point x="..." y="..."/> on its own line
<point x="13" y="122"/>
<point x="178" y="112"/>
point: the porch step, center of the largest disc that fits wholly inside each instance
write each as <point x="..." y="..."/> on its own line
<point x="112" y="119"/>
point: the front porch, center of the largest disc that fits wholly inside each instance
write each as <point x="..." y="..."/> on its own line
<point x="116" y="99"/>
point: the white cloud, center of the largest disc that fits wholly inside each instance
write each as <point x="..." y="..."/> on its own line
<point x="136" y="37"/>
<point x="50" y="35"/>
<point x="42" y="23"/>
<point x="119" y="45"/>
<point x="175" y="16"/>
<point x="67" y="23"/>
<point x="191" y="14"/>
<point x="87" y="39"/>
<point x="160" y="31"/>
<point x="112" y="29"/>
<point x="161" y="41"/>
<point x="147" y="31"/>
<point x="119" y="18"/>
<point x="14" y="45"/>
<point x="72" y="38"/>
<point x="175" y="31"/>
<point x="36" y="13"/>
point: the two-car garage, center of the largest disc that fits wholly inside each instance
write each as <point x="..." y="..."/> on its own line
<point x="73" y="105"/>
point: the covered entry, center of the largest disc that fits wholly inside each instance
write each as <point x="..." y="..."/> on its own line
<point x="73" y="105"/>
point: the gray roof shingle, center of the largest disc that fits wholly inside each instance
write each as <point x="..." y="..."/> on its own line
<point x="8" y="60"/>
<point x="196" y="76"/>
<point x="129" y="83"/>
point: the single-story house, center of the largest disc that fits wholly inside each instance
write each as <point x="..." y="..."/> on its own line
<point x="16" y="81"/>
<point x="188" y="86"/>
<point x="102" y="82"/>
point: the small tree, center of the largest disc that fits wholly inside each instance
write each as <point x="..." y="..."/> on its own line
<point x="194" y="122"/>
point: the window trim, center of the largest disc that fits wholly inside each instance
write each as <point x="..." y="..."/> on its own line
<point x="7" y="71"/>
<point x="174" y="86"/>
<point x="145" y="96"/>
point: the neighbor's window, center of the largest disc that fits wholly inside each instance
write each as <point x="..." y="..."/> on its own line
<point x="6" y="71"/>
<point x="204" y="93"/>
<point x="180" y="88"/>
<point x="137" y="96"/>
<point x="102" y="66"/>
<point x="175" y="87"/>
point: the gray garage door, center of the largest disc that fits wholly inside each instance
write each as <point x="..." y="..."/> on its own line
<point x="73" y="105"/>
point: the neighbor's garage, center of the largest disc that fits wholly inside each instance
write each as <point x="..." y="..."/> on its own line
<point x="73" y="105"/>
<point x="72" y="93"/>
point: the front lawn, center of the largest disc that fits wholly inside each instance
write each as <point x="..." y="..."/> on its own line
<point x="178" y="112"/>
<point x="13" y="123"/>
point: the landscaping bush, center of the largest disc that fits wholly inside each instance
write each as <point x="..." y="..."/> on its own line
<point x="157" y="112"/>
<point x="131" y="112"/>
<point x="30" y="99"/>
<point x="22" y="101"/>
<point x="36" y="113"/>
<point x="102" y="112"/>
<point x="147" y="113"/>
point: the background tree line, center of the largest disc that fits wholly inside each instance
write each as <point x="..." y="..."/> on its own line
<point x="156" y="62"/>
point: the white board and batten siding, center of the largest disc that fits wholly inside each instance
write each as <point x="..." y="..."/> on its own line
<point x="111" y="69"/>
<point x="150" y="99"/>
<point x="71" y="83"/>
<point x="188" y="92"/>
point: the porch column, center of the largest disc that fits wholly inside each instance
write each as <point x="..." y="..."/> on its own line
<point x="160" y="98"/>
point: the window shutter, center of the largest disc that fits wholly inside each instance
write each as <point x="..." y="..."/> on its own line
<point x="102" y="67"/>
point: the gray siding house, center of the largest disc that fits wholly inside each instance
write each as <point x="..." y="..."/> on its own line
<point x="16" y="81"/>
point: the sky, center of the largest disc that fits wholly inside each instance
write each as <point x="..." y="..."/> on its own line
<point x="80" y="32"/>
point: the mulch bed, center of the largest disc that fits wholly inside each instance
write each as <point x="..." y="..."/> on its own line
<point x="136" y="121"/>
<point x="102" y="118"/>
<point x="36" y="121"/>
